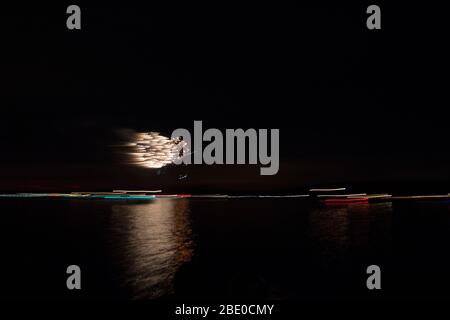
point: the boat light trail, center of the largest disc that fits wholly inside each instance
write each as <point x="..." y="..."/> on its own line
<point x="375" y="196"/>
<point x="137" y="191"/>
<point x="443" y="196"/>
<point x="326" y="190"/>
<point x="341" y="195"/>
<point x="345" y="201"/>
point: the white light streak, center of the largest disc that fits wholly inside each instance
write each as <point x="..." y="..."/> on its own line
<point x="326" y="190"/>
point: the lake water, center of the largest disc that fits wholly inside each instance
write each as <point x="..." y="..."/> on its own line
<point x="224" y="248"/>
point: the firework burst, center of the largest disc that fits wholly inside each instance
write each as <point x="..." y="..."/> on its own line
<point x="153" y="150"/>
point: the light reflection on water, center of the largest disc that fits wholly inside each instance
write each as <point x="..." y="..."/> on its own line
<point x="294" y="249"/>
<point x="283" y="248"/>
<point x="335" y="230"/>
<point x="155" y="239"/>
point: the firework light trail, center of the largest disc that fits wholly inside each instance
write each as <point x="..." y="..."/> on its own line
<point x="153" y="150"/>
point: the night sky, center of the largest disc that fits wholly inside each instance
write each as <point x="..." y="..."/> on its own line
<point x="353" y="105"/>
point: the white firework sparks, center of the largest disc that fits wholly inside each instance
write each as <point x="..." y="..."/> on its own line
<point x="153" y="150"/>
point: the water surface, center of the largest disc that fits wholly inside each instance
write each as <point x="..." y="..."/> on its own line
<point x="224" y="248"/>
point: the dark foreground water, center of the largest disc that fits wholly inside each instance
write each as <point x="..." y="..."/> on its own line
<point x="230" y="248"/>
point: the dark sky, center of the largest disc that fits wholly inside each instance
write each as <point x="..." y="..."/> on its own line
<point x="352" y="105"/>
